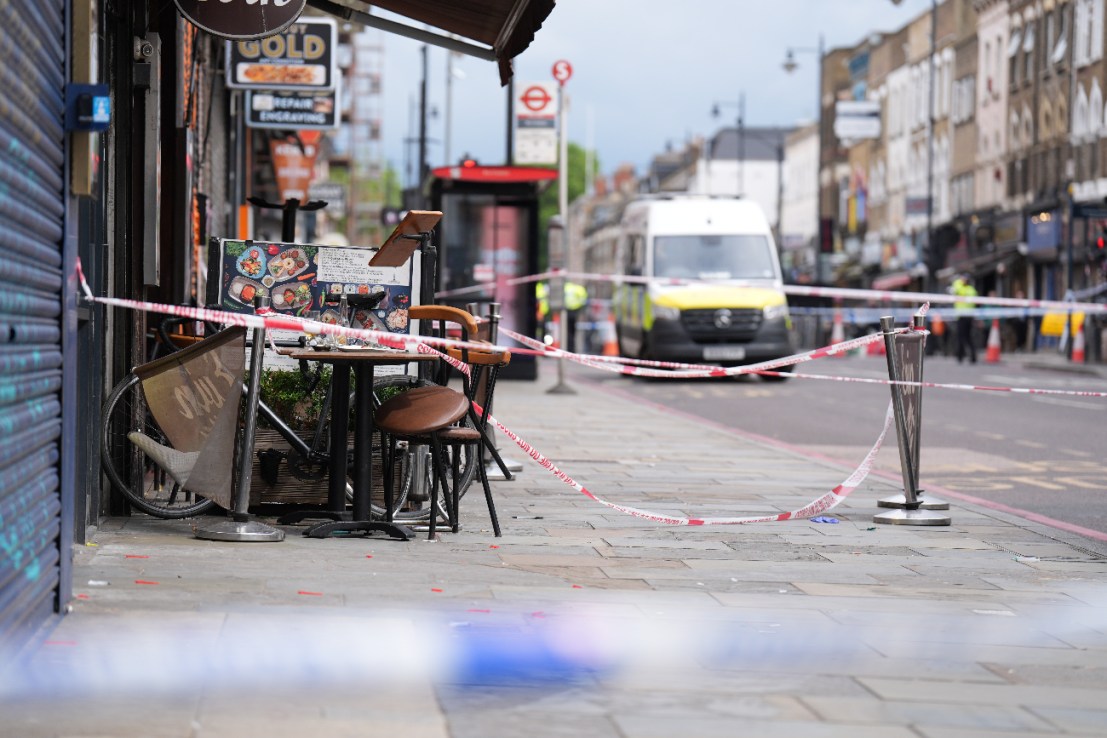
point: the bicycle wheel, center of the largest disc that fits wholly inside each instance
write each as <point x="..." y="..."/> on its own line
<point x="413" y="478"/>
<point x="145" y="485"/>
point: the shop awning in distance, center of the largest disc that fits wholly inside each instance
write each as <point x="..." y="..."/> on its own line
<point x="501" y="29"/>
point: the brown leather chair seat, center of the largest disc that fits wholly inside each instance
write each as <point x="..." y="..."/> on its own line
<point x="421" y="410"/>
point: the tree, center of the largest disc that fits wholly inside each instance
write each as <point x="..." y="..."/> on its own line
<point x="547" y="201"/>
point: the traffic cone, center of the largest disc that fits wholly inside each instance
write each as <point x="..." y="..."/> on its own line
<point x="937" y="326"/>
<point x="876" y="348"/>
<point x="838" y="332"/>
<point x="611" y="342"/>
<point x="992" y="354"/>
<point x="555" y="330"/>
<point x="1078" y="346"/>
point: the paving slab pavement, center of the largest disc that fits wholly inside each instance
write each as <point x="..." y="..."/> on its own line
<point x="582" y="620"/>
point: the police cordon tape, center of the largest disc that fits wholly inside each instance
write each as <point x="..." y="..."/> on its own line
<point x="690" y="371"/>
<point x="270" y="319"/>
<point x="790" y="289"/>
<point x="695" y="371"/>
<point x="821" y="504"/>
<point x="874" y="314"/>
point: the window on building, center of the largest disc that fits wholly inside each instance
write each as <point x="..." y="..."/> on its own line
<point x="1080" y="116"/>
<point x="1013" y="56"/>
<point x="1049" y="40"/>
<point x="987" y="71"/>
<point x="1095" y="110"/>
<point x="1028" y="43"/>
<point x="994" y="84"/>
<point x="1095" y="50"/>
<point x="1082" y="25"/>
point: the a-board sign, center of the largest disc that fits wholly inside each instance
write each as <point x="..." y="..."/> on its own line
<point x="303" y="277"/>
<point x="399" y="246"/>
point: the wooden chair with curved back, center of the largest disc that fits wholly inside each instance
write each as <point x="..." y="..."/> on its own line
<point x="439" y="416"/>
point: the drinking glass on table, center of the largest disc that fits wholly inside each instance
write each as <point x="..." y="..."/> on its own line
<point x="310" y="331"/>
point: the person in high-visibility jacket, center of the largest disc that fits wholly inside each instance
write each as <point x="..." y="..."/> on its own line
<point x="963" y="307"/>
<point x="575" y="296"/>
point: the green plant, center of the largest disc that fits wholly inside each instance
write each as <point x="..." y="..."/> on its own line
<point x="286" y="392"/>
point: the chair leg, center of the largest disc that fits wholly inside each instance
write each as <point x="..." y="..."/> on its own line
<point x="482" y="428"/>
<point x="455" y="477"/>
<point x="438" y="461"/>
<point x="487" y="492"/>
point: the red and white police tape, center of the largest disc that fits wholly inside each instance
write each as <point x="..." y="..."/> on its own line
<point x="270" y="319"/>
<point x="819" y="505"/>
<point x="695" y="371"/>
<point x="423" y="344"/>
<point x="792" y="289"/>
<point x="692" y="371"/>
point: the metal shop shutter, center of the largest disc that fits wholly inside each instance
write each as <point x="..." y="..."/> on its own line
<point x="32" y="222"/>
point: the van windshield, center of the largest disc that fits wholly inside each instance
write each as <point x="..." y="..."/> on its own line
<point x="713" y="257"/>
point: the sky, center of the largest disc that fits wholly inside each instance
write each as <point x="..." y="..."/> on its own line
<point x="646" y="74"/>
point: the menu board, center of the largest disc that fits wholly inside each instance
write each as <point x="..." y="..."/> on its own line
<point x="303" y="277"/>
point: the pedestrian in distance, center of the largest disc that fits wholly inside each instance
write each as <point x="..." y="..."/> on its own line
<point x="963" y="308"/>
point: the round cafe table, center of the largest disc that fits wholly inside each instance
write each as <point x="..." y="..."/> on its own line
<point x="362" y="362"/>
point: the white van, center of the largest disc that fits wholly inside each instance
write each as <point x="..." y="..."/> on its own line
<point x="735" y="312"/>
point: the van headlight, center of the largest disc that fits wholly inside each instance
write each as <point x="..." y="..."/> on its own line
<point x="664" y="312"/>
<point x="772" y="312"/>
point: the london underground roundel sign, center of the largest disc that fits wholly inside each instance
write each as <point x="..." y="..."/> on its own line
<point x="241" y="19"/>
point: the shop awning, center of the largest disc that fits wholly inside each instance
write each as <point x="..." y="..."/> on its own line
<point x="501" y="29"/>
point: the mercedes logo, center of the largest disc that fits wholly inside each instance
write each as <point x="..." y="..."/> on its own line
<point x="722" y="319"/>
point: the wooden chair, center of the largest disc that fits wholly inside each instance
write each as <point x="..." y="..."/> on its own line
<point x="441" y="417"/>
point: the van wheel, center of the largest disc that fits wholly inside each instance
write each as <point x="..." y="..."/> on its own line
<point x="619" y="342"/>
<point x="779" y="377"/>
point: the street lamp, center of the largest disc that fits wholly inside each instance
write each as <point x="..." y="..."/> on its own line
<point x="716" y="111"/>
<point x="790" y="65"/>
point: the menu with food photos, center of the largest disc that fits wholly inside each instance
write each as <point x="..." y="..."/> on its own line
<point x="303" y="277"/>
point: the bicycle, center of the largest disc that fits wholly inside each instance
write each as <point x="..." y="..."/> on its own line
<point x="149" y="488"/>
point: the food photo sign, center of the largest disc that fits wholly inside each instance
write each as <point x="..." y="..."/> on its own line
<point x="299" y="58"/>
<point x="303" y="277"/>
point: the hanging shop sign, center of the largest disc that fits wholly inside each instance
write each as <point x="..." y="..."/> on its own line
<point x="294" y="164"/>
<point x="241" y="19"/>
<point x="299" y="58"/>
<point x="288" y="110"/>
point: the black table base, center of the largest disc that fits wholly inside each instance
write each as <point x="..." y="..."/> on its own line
<point x="339" y="528"/>
<point x="344" y="522"/>
<point x="299" y="516"/>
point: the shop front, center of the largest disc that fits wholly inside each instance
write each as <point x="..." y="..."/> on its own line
<point x="131" y="175"/>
